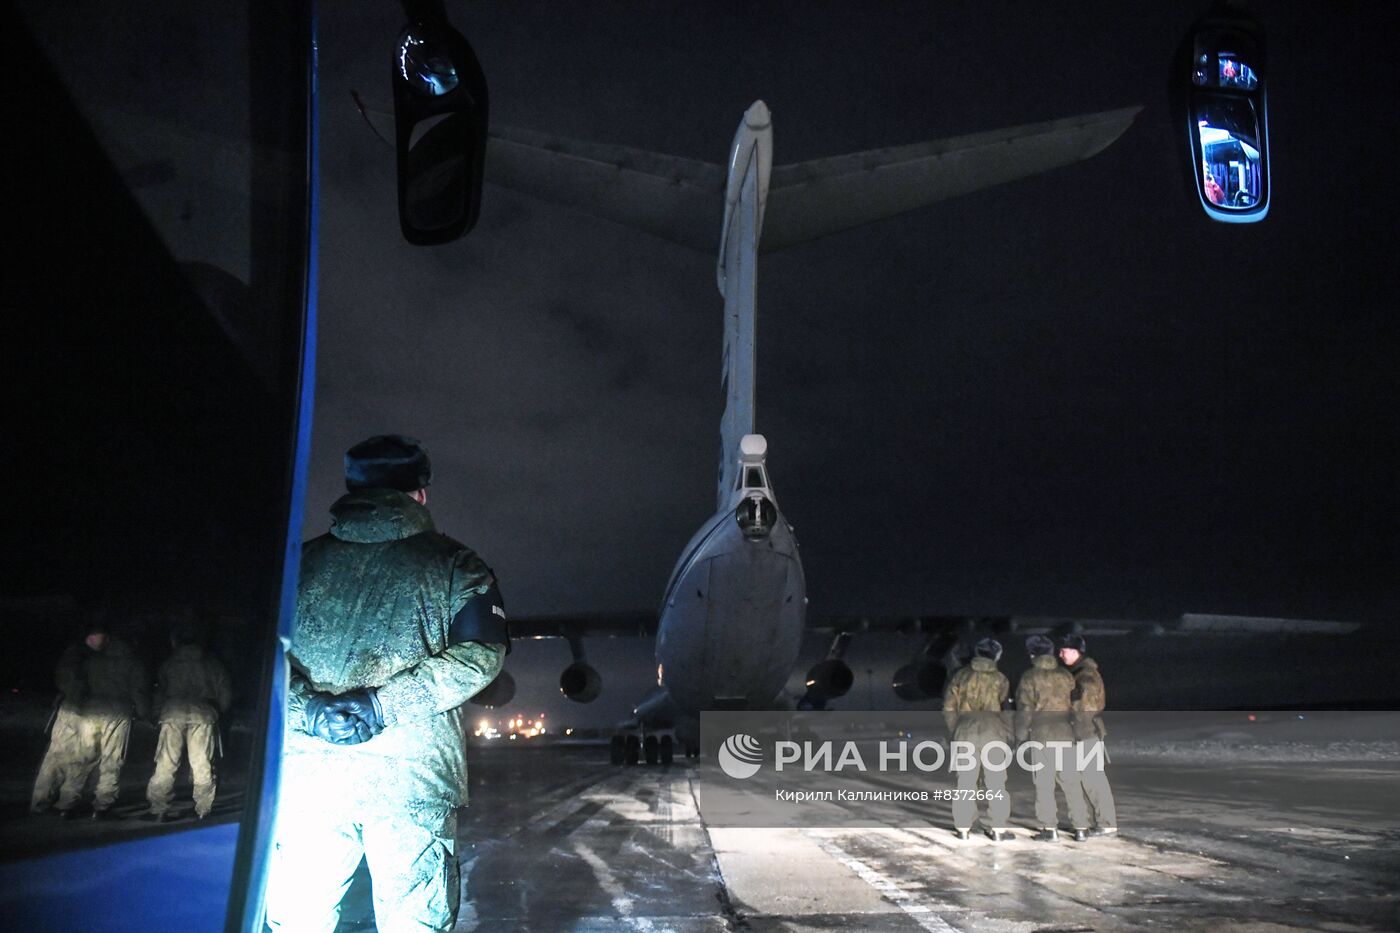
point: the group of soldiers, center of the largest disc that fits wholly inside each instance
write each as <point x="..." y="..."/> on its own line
<point x="104" y="686"/>
<point x="1058" y="702"/>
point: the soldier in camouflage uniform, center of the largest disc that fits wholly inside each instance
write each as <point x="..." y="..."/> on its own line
<point x="104" y="684"/>
<point x="1042" y="716"/>
<point x="1087" y="701"/>
<point x="397" y="627"/>
<point x="193" y="690"/>
<point x="972" y="709"/>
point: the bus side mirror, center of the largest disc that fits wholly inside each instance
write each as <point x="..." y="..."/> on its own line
<point x="440" y="126"/>
<point x="1221" y="99"/>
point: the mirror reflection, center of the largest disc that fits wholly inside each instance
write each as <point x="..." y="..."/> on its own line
<point x="143" y="542"/>
<point x="1230" y="71"/>
<point x="436" y="173"/>
<point x="1234" y="73"/>
<point x="425" y="65"/>
<point x="1231" y="174"/>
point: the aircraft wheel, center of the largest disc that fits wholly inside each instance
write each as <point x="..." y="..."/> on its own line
<point x="633" y="750"/>
<point x="617" y="750"/>
<point x="668" y="750"/>
<point x="650" y="745"/>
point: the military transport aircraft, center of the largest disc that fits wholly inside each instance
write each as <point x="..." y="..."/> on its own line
<point x="734" y="612"/>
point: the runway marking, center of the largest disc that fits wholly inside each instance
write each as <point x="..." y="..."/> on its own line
<point x="621" y="900"/>
<point x="922" y="914"/>
<point x="573" y="821"/>
<point x="578" y="799"/>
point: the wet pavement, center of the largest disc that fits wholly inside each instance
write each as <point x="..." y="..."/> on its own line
<point x="557" y="839"/>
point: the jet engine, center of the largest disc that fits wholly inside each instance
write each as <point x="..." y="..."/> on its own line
<point x="921" y="680"/>
<point x="581" y="682"/>
<point x="497" y="693"/>
<point x="829" y="679"/>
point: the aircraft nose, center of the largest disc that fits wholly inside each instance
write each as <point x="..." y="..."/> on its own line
<point x="757" y="116"/>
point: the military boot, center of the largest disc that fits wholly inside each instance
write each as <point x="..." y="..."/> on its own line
<point x="1049" y="834"/>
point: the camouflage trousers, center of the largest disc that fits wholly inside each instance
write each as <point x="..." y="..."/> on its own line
<point x="992" y="781"/>
<point x="77" y="745"/>
<point x="412" y="864"/>
<point x="1047" y="811"/>
<point x="1098" y="793"/>
<point x="176" y="740"/>
<point x="50" y="777"/>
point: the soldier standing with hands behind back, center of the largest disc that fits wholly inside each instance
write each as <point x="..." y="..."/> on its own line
<point x="397" y="626"/>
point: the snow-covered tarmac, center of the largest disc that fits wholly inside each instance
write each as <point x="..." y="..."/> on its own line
<point x="556" y="839"/>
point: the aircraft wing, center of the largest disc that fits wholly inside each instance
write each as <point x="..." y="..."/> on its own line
<point x="644" y="625"/>
<point x="677" y="199"/>
<point x="1188" y="624"/>
<point x="682" y="200"/>
<point x="812" y="199"/>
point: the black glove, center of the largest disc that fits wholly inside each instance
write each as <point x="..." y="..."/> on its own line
<point x="326" y="718"/>
<point x="363" y="705"/>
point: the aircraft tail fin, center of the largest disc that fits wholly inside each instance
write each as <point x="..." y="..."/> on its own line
<point x="751" y="160"/>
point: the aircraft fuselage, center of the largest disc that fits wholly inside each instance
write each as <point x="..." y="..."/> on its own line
<point x="732" y="620"/>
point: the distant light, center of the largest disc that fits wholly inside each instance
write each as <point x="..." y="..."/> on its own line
<point x="1251" y="717"/>
<point x="568" y="731"/>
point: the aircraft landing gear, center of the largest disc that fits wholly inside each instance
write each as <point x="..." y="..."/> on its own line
<point x="653" y="749"/>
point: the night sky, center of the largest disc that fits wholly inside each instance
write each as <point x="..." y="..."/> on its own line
<point x="1072" y="395"/>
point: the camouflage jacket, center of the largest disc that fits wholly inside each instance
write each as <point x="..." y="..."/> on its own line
<point x="1043" y="702"/>
<point x="192" y="687"/>
<point x="973" y="702"/>
<point x="1088" y="700"/>
<point x="375" y="605"/>
<point x="112" y="683"/>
